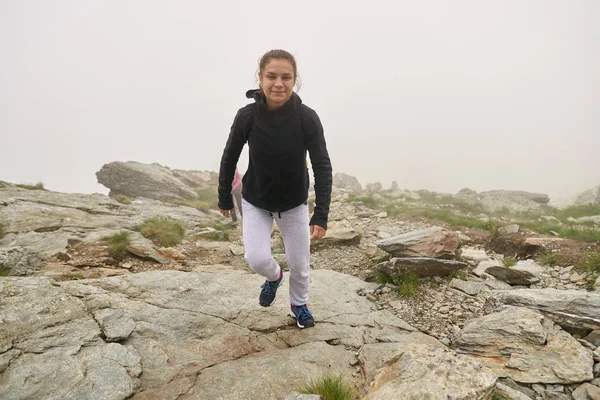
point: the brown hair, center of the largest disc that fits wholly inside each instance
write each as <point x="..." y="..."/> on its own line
<point x="278" y="54"/>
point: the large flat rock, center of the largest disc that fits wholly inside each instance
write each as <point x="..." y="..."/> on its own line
<point x="433" y="242"/>
<point x="567" y="308"/>
<point x="163" y="334"/>
<point x="527" y="347"/>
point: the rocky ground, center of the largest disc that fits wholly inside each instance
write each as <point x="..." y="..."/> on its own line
<point x="182" y="322"/>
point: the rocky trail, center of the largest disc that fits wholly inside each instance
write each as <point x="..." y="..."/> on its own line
<point x="406" y="307"/>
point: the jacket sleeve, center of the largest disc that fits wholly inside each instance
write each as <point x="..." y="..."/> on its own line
<point x="321" y="164"/>
<point x="231" y="154"/>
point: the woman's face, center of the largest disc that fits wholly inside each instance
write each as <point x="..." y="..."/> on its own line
<point x="277" y="81"/>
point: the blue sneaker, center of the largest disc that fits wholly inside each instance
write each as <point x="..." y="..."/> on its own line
<point x="304" y="318"/>
<point x="269" y="291"/>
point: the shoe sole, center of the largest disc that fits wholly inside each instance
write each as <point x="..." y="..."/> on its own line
<point x="298" y="323"/>
<point x="275" y="299"/>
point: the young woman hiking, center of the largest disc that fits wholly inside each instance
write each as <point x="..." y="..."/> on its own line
<point x="279" y="130"/>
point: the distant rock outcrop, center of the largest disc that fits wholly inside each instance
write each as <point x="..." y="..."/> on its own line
<point x="501" y="200"/>
<point x="153" y="181"/>
<point x="343" y="181"/>
<point x="374" y="187"/>
<point x="591" y="196"/>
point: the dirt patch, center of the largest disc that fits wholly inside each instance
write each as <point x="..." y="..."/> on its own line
<point x="529" y="244"/>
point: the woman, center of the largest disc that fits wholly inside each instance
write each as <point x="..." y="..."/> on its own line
<point x="279" y="130"/>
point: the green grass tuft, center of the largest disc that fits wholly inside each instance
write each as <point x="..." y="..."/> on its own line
<point x="592" y="264"/>
<point x="118" y="244"/>
<point x="591" y="280"/>
<point x="4" y="271"/>
<point x="207" y="199"/>
<point x="121" y="198"/>
<point x="329" y="387"/>
<point x="2" y="231"/>
<point x="586" y="233"/>
<point x="37" y="186"/>
<point x="447" y="216"/>
<point x="408" y="284"/>
<point x="577" y="211"/>
<point x="367" y="200"/>
<point x="381" y="278"/>
<point x="162" y="231"/>
<point x="548" y="259"/>
<point x="509" y="262"/>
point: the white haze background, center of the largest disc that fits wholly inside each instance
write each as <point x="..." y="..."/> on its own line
<point x="436" y="95"/>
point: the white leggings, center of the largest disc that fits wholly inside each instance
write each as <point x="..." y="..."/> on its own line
<point x="293" y="224"/>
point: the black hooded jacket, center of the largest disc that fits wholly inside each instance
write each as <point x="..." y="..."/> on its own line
<point x="277" y="177"/>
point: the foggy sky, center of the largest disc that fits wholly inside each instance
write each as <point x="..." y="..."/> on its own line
<point x="436" y="95"/>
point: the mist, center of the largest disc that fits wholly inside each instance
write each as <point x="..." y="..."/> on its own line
<point x="436" y="95"/>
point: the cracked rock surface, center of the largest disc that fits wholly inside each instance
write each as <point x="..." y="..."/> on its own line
<point x="172" y="334"/>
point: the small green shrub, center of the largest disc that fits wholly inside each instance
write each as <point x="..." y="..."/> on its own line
<point x="329" y="387"/>
<point x="582" y="233"/>
<point x="408" y="284"/>
<point x="121" y="198"/>
<point x="2" y="231"/>
<point x="37" y="186"/>
<point x="208" y="195"/>
<point x="367" y="200"/>
<point x="4" y="271"/>
<point x="592" y="264"/>
<point x="509" y="262"/>
<point x="548" y="259"/>
<point x="207" y="199"/>
<point x="381" y="278"/>
<point x="591" y="280"/>
<point x="162" y="231"/>
<point x="585" y="210"/>
<point x="118" y="244"/>
<point x="427" y="196"/>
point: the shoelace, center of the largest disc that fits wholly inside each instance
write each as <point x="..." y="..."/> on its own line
<point x="303" y="313"/>
<point x="269" y="286"/>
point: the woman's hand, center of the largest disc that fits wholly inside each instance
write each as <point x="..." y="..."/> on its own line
<point x="226" y="213"/>
<point x="316" y="232"/>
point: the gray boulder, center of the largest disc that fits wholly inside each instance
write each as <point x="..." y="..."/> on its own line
<point x="420" y="371"/>
<point x="152" y="181"/>
<point x="509" y="393"/>
<point x="591" y="196"/>
<point x="343" y="181"/>
<point x="526" y="347"/>
<point x="567" y="308"/>
<point x="523" y="273"/>
<point x="338" y="237"/>
<point x="468" y="287"/>
<point x="429" y="242"/>
<point x="44" y="221"/>
<point x="20" y="261"/>
<point x="586" y="392"/>
<point x="501" y="200"/>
